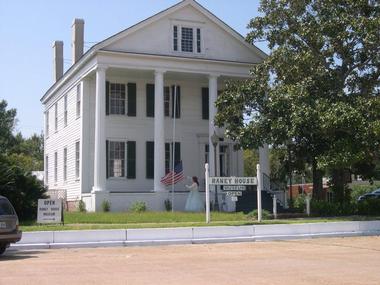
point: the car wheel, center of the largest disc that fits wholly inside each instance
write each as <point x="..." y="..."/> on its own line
<point x="3" y="246"/>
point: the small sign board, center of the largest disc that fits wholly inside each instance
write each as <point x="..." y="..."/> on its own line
<point x="49" y="211"/>
<point x="234" y="193"/>
<point x="233" y="181"/>
<point x="234" y="188"/>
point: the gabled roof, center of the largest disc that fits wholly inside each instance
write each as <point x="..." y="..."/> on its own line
<point x="142" y="24"/>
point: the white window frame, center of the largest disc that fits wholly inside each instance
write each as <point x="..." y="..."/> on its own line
<point x="192" y="39"/>
<point x="65" y="164"/>
<point x="187" y="24"/>
<point x="56" y="117"/>
<point x="78" y="100"/>
<point x="55" y="167"/>
<point x="123" y="177"/>
<point x="46" y="169"/>
<point x="47" y="123"/>
<point x="77" y="160"/>
<point x="65" y="110"/>
<point x="170" y="101"/>
<point x="110" y="99"/>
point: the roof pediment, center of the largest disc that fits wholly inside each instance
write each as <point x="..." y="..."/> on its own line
<point x="154" y="35"/>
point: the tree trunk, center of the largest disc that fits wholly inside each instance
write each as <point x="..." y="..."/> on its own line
<point x="338" y="184"/>
<point x="317" y="181"/>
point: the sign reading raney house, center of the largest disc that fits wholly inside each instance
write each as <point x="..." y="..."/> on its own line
<point x="49" y="211"/>
<point x="233" y="181"/>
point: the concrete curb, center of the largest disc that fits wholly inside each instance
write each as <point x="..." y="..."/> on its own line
<point x="192" y="235"/>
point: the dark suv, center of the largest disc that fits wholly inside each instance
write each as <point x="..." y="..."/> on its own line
<point x="9" y="232"/>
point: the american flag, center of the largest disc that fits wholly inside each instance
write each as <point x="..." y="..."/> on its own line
<point x="173" y="176"/>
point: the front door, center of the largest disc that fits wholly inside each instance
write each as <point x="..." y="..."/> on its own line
<point x="224" y="160"/>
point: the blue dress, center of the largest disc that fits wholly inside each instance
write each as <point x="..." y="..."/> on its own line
<point x="194" y="201"/>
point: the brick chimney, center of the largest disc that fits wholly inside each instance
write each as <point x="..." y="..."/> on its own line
<point x="77" y="39"/>
<point x="57" y="60"/>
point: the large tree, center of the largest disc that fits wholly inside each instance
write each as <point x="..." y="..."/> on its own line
<point x="18" y="157"/>
<point x="7" y="124"/>
<point x="317" y="93"/>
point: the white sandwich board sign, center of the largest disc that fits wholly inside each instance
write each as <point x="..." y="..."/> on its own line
<point x="233" y="186"/>
<point x="49" y="211"/>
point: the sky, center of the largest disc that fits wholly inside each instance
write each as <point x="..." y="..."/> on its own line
<point x="29" y="27"/>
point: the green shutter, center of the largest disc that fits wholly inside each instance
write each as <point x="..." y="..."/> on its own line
<point x="167" y="107"/>
<point x="177" y="153"/>
<point x="149" y="160"/>
<point x="107" y="98"/>
<point x="131" y="160"/>
<point x="107" y="158"/>
<point x="150" y="100"/>
<point x="131" y="99"/>
<point x="205" y="104"/>
<point x="167" y="158"/>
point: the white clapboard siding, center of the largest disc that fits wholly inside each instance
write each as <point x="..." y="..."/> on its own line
<point x="65" y="136"/>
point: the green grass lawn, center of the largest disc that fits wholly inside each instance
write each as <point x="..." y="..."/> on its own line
<point x="128" y="220"/>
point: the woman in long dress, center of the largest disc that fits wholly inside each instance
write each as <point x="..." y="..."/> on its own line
<point x="194" y="202"/>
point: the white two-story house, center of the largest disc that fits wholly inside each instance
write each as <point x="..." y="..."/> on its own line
<point x="109" y="117"/>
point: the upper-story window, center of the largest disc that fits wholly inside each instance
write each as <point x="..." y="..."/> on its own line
<point x="187" y="39"/>
<point x="65" y="110"/>
<point x="79" y="95"/>
<point x="56" y="117"/>
<point x="117" y="99"/>
<point x="47" y="124"/>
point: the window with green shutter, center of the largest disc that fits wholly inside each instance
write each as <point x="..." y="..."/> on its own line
<point x="149" y="160"/>
<point x="150" y="100"/>
<point x="131" y="159"/>
<point x="205" y="104"/>
<point x="177" y="108"/>
<point x="107" y="98"/>
<point x="169" y="155"/>
<point x="131" y="99"/>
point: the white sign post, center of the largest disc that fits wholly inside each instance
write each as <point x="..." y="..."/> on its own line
<point x="259" y="187"/>
<point x="275" y="206"/>
<point x="308" y="198"/>
<point x="49" y="211"/>
<point x="207" y="194"/>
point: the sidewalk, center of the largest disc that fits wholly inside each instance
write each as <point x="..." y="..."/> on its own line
<point x="193" y="235"/>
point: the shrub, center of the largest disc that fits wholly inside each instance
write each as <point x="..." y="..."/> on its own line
<point x="370" y="207"/>
<point x="300" y="203"/>
<point x="168" y="205"/>
<point x="327" y="209"/>
<point x="21" y="188"/>
<point x="361" y="189"/>
<point x="106" y="206"/>
<point x="81" y="206"/>
<point x="266" y="215"/>
<point x="138" y="207"/>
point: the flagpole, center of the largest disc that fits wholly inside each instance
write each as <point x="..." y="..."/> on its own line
<point x="173" y="148"/>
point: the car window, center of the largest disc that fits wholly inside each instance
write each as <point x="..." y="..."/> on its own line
<point x="5" y="208"/>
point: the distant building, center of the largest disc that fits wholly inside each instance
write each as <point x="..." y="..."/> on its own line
<point x="109" y="117"/>
<point x="307" y="189"/>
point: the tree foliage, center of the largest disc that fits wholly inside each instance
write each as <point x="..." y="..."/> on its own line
<point x="18" y="157"/>
<point x="317" y="93"/>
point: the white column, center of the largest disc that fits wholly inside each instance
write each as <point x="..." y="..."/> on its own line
<point x="159" y="131"/>
<point x="213" y="94"/>
<point x="100" y="140"/>
<point x="264" y="159"/>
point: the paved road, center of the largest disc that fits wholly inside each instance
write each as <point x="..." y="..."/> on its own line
<point x="320" y="261"/>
